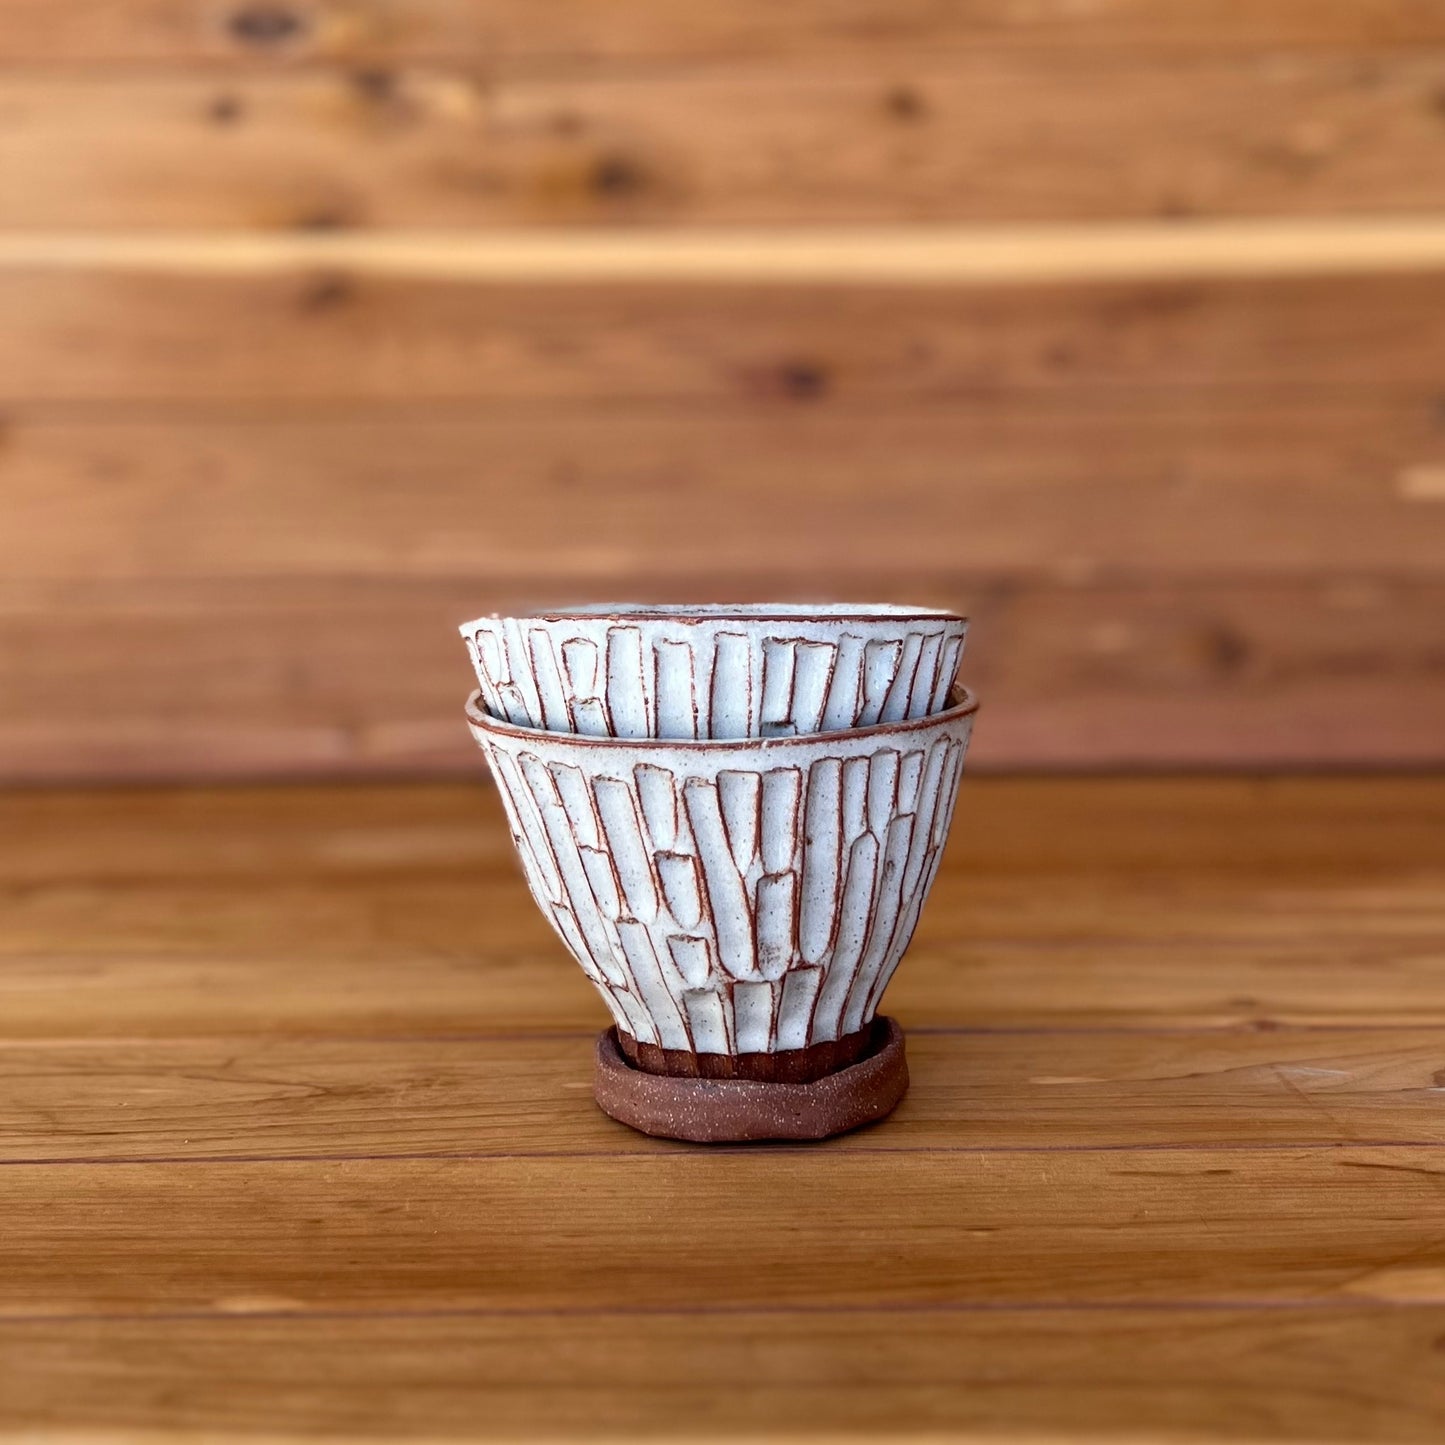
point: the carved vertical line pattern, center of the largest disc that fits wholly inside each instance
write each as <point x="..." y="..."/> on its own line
<point x="895" y="705"/>
<point x="778" y="914"/>
<point x="673" y="979"/>
<point x="854" y="793"/>
<point x="658" y="794"/>
<point x="795" y="1009"/>
<point x="845" y="688"/>
<point x="917" y="896"/>
<point x="822" y="847"/>
<point x="726" y="898"/>
<point x="639" y="1025"/>
<point x="854" y="912"/>
<point x="725" y="678"/>
<point x="677" y="873"/>
<point x="544" y="888"/>
<point x="775" y="714"/>
<point x="602" y="876"/>
<point x="730" y="709"/>
<point x="585" y="908"/>
<point x="624" y="838"/>
<point x="910" y="774"/>
<point x="519" y="692"/>
<point x="673" y="1031"/>
<point x="693" y="959"/>
<point x="675" y="690"/>
<point x="882" y="790"/>
<point x="627" y="692"/>
<point x="709" y="1017"/>
<point x="703" y="652"/>
<point x="579" y="662"/>
<point x="740" y="795"/>
<point x="753" y="1026"/>
<point x="882" y="925"/>
<point x="903" y="932"/>
<point x="576" y="796"/>
<point x="487" y="654"/>
<point x="776" y="923"/>
<point x="781" y="841"/>
<point x="579" y="667"/>
<point x="522" y="809"/>
<point x="927" y="801"/>
<point x="812" y="675"/>
<point x="880" y="666"/>
<point x="926" y="674"/>
<point x="546" y="673"/>
<point x="947" y="673"/>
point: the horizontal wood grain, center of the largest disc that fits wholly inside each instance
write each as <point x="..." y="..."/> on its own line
<point x="1260" y="828"/>
<point x="1151" y="485"/>
<point x="497" y="32"/>
<point x="1178" y="511"/>
<point x="1090" y="1227"/>
<point x="1047" y="135"/>
<point x="259" y="1178"/>
<point x="1349" y="1373"/>
<point x="275" y="1098"/>
<point x="316" y="676"/>
<point x="314" y="978"/>
<point x="332" y="912"/>
<point x="328" y="336"/>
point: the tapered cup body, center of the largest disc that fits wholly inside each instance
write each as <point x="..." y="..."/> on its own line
<point x="733" y="897"/>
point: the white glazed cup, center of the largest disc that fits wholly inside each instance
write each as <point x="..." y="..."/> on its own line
<point x="744" y="897"/>
<point x="727" y="671"/>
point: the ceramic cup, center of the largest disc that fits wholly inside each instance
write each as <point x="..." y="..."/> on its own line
<point x="740" y="905"/>
<point x="633" y="671"/>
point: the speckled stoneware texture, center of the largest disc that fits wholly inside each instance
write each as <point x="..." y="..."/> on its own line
<point x="735" y="899"/>
<point x="727" y="1111"/>
<point x="632" y="671"/>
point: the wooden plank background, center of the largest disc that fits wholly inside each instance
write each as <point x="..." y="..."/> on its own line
<point x="1199" y="516"/>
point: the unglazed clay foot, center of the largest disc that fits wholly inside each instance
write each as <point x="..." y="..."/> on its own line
<point x="730" y="1111"/>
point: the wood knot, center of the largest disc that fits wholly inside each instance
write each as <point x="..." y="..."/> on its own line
<point x="904" y="103"/>
<point x="617" y="176"/>
<point x="375" y="85"/>
<point x="323" y="218"/>
<point x="265" y="26"/>
<point x="1224" y="649"/>
<point x="226" y="109"/>
<point x="803" y="380"/>
<point x="325" y="293"/>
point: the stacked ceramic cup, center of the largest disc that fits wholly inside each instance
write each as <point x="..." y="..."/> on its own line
<point x="732" y="816"/>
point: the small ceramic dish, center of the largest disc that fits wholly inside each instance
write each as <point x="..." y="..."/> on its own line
<point x="740" y="905"/>
<point x="726" y="671"/>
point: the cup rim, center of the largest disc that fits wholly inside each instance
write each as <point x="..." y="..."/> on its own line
<point x="706" y="612"/>
<point x="962" y="700"/>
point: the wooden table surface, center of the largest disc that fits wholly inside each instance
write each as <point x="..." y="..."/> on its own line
<point x="298" y="1140"/>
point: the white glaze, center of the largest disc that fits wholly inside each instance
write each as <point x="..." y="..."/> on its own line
<point x="748" y="896"/>
<point x="730" y="671"/>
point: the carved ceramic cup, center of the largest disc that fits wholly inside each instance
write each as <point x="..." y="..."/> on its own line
<point x="740" y="905"/>
<point x="633" y="671"/>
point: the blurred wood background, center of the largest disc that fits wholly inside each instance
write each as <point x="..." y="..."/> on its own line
<point x="330" y="323"/>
